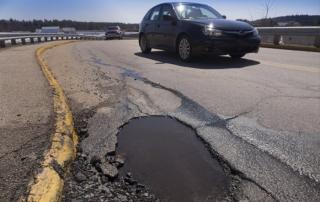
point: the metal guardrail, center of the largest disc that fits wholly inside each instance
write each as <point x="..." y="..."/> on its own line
<point x="276" y="36"/>
<point x="23" y="38"/>
<point x="303" y="36"/>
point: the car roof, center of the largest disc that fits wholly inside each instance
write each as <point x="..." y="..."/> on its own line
<point x="179" y="2"/>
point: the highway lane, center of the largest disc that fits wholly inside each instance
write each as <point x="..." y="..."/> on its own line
<point x="230" y="88"/>
<point x="268" y="104"/>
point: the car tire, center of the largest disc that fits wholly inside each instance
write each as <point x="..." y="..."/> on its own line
<point x="184" y="49"/>
<point x="144" y="44"/>
<point x="237" y="56"/>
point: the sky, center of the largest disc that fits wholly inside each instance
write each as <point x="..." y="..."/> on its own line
<point x="132" y="11"/>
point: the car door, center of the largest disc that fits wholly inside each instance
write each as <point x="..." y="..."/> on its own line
<point x="166" y="27"/>
<point x="150" y="26"/>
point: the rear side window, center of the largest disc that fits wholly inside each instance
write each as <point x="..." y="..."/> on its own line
<point x="167" y="10"/>
<point x="155" y="13"/>
<point x="147" y="16"/>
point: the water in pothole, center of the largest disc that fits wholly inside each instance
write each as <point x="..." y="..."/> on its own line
<point x="170" y="159"/>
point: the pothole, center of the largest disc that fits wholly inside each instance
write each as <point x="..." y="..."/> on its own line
<point x="171" y="160"/>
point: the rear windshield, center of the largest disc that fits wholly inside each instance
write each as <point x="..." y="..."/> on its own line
<point x="195" y="11"/>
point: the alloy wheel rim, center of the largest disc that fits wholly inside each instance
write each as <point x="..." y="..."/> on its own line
<point x="184" y="48"/>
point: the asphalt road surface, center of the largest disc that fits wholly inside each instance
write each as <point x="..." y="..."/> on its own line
<point x="260" y="115"/>
<point x="26" y="119"/>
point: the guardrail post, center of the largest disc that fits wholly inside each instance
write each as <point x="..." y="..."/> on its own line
<point x="276" y="39"/>
<point x="23" y="41"/>
<point x="317" y="41"/>
<point x="31" y="40"/>
<point x="45" y="39"/>
<point x="39" y="39"/>
<point x="2" y="44"/>
<point x="13" y="42"/>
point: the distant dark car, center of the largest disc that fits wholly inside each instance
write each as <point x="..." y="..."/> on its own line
<point x="191" y="29"/>
<point x="114" y="32"/>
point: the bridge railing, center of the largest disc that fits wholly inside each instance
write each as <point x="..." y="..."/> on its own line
<point x="275" y="36"/>
<point x="10" y="39"/>
<point x="301" y="36"/>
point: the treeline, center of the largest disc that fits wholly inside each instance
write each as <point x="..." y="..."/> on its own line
<point x="291" y="20"/>
<point x="304" y="20"/>
<point x="31" y="26"/>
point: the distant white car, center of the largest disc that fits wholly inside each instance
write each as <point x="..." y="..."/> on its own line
<point x="114" y="32"/>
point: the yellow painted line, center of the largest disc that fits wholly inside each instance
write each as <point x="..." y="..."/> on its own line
<point x="47" y="186"/>
<point x="291" y="66"/>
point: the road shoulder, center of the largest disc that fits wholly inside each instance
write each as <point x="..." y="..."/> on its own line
<point x="26" y="119"/>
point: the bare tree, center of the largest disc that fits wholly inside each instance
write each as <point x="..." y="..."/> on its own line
<point x="267" y="7"/>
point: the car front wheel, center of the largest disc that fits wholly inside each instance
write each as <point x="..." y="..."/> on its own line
<point x="184" y="49"/>
<point x="144" y="45"/>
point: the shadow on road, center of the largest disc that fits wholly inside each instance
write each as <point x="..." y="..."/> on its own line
<point x="201" y="62"/>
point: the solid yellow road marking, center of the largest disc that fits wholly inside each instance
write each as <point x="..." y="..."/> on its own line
<point x="48" y="184"/>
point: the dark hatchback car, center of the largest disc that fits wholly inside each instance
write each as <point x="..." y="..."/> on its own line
<point x="192" y="29"/>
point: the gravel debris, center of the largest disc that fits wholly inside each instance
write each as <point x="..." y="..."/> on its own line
<point x="86" y="183"/>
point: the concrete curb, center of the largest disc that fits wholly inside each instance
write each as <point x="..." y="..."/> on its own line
<point x="47" y="185"/>
<point x="291" y="47"/>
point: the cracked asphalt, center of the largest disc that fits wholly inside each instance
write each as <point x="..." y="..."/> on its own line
<point x="26" y="119"/>
<point x="259" y="116"/>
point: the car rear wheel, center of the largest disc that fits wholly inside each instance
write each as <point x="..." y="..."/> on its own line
<point x="185" y="49"/>
<point x="144" y="45"/>
<point x="237" y="56"/>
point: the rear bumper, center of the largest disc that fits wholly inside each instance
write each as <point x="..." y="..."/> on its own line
<point x="225" y="46"/>
<point x="113" y="35"/>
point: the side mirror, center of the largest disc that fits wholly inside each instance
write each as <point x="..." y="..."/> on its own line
<point x="224" y="17"/>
